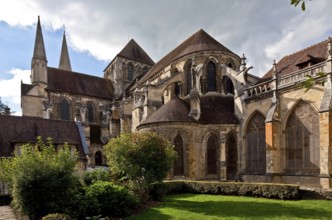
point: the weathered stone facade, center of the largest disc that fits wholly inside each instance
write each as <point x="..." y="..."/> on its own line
<point x="225" y="123"/>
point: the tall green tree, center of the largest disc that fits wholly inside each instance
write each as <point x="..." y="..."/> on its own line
<point x="142" y="159"/>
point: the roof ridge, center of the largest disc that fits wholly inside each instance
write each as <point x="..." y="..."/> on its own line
<point x="74" y="72"/>
<point x="306" y="48"/>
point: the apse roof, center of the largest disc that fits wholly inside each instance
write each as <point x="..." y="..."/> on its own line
<point x="200" y="41"/>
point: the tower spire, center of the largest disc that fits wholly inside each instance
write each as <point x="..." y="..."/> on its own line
<point x="39" y="61"/>
<point x="64" y="57"/>
<point x="39" y="51"/>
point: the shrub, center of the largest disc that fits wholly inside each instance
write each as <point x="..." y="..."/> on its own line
<point x="42" y="179"/>
<point x="91" y="176"/>
<point x="109" y="199"/>
<point x="142" y="159"/>
<point x="278" y="191"/>
<point x="56" y="216"/>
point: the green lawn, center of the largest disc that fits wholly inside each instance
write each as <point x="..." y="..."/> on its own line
<point x="203" y="207"/>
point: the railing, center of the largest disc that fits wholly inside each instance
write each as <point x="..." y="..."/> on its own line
<point x="300" y="75"/>
<point x="284" y="81"/>
<point x="259" y="89"/>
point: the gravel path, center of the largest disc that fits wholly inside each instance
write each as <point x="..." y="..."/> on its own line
<point x="6" y="213"/>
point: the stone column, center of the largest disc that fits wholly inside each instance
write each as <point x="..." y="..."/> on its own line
<point x="325" y="128"/>
<point x="272" y="139"/>
<point x="222" y="158"/>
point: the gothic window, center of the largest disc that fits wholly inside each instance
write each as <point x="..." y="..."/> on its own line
<point x="302" y="140"/>
<point x="189" y="78"/>
<point x="64" y="110"/>
<point x="231" y="155"/>
<point x="90" y="112"/>
<point x="228" y="85"/>
<point x="179" y="165"/>
<point x="211" y="155"/>
<point x="130" y="72"/>
<point x="177" y="90"/>
<point x="255" y="145"/>
<point x="98" y="158"/>
<point x="211" y="76"/>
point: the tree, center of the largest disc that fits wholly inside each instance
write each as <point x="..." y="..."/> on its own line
<point x="143" y="159"/>
<point x="3" y="107"/>
<point x="42" y="179"/>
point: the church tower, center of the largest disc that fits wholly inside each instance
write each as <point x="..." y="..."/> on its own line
<point x="39" y="61"/>
<point x="64" y="63"/>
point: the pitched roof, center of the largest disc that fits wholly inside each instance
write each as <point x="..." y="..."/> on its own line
<point x="288" y="64"/>
<point x="176" y="110"/>
<point x="15" y="129"/>
<point x="215" y="109"/>
<point x="79" y="84"/>
<point x="133" y="51"/>
<point x="200" y="41"/>
<point x="25" y="88"/>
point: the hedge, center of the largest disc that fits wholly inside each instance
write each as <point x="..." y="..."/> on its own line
<point x="267" y="190"/>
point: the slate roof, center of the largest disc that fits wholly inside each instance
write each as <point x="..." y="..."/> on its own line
<point x="14" y="129"/>
<point x="25" y="88"/>
<point x="200" y="41"/>
<point x="176" y="110"/>
<point x="288" y="64"/>
<point x="80" y="84"/>
<point x="133" y="51"/>
<point x="215" y="109"/>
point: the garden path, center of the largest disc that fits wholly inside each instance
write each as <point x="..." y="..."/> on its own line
<point x="6" y="213"/>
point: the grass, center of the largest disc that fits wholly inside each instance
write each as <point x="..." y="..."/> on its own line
<point x="205" y="207"/>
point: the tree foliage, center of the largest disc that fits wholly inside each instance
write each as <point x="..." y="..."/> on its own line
<point x="311" y="81"/>
<point x="141" y="158"/>
<point x="42" y="179"/>
<point x="2" y="107"/>
<point x="299" y="2"/>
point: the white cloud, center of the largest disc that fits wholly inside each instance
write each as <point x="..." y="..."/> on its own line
<point x="10" y="91"/>
<point x="263" y="30"/>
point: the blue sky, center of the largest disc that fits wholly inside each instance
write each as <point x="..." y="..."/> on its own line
<point x="97" y="30"/>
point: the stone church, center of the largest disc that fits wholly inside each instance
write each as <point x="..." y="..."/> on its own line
<point x="225" y="123"/>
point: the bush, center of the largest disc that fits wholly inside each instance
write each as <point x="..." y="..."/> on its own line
<point x="56" y="216"/>
<point x="43" y="180"/>
<point x="278" y="191"/>
<point x="91" y="176"/>
<point x="142" y="159"/>
<point x="108" y="199"/>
